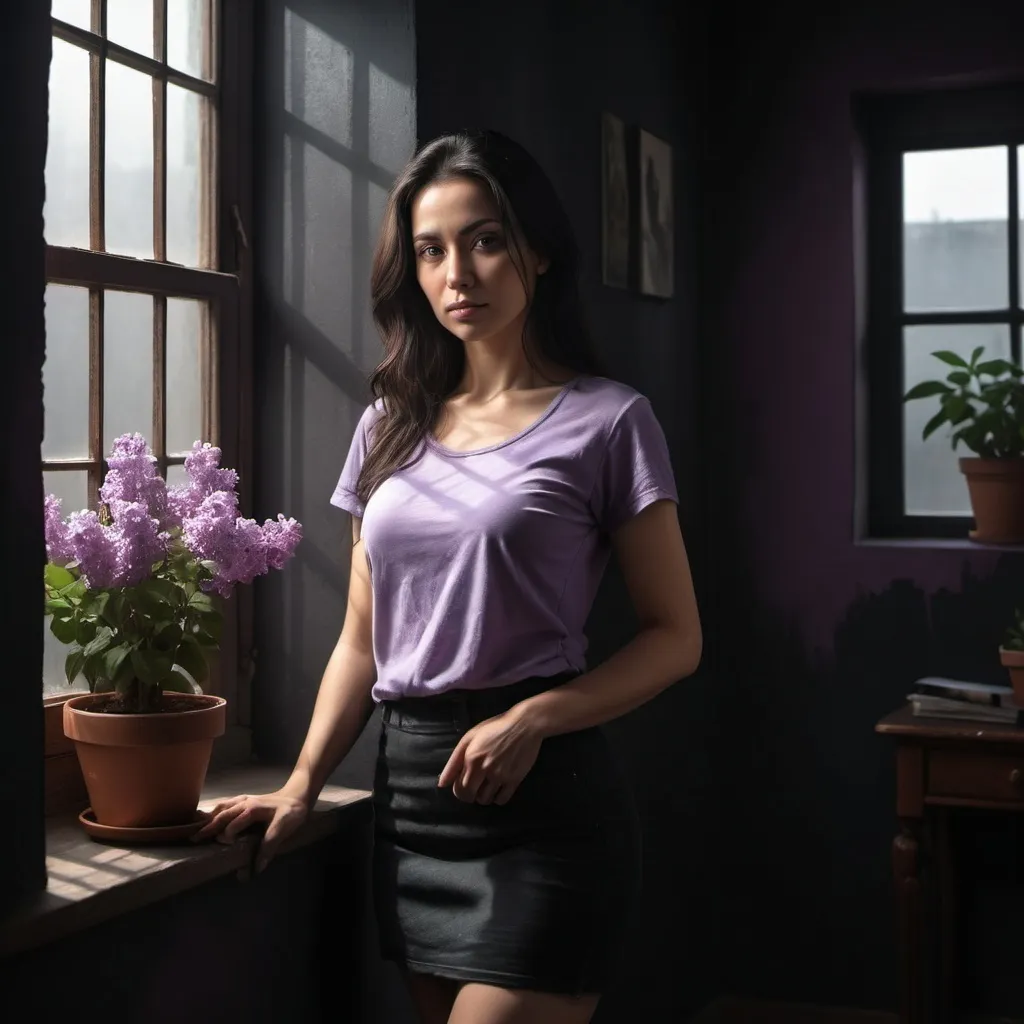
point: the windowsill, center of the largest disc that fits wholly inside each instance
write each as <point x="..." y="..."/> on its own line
<point x="91" y="882"/>
<point x="936" y="544"/>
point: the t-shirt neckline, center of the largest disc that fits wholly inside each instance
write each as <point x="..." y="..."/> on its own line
<point x="529" y="428"/>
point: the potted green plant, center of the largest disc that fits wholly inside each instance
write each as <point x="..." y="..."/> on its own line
<point x="133" y="590"/>
<point x="983" y="403"/>
<point x="1011" y="654"/>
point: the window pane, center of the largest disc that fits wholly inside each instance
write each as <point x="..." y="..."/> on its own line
<point x="71" y="487"/>
<point x="127" y="366"/>
<point x="129" y="161"/>
<point x="184" y="176"/>
<point x="186" y="23"/>
<point x="66" y="373"/>
<point x="1020" y="221"/>
<point x="74" y="12"/>
<point x="955" y="205"/>
<point x="184" y="380"/>
<point x="176" y="476"/>
<point x="66" y="209"/>
<point x="933" y="483"/>
<point x="130" y="23"/>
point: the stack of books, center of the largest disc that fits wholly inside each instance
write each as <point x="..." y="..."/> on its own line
<point x="936" y="697"/>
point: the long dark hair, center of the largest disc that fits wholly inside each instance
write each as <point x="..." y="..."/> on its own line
<point x="423" y="363"/>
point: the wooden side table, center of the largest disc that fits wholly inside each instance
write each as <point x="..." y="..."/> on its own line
<point x="941" y="764"/>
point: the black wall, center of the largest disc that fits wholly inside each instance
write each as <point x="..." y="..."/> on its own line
<point x="542" y="73"/>
<point x="814" y="637"/>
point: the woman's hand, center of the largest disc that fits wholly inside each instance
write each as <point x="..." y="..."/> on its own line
<point x="284" y="812"/>
<point x="492" y="759"/>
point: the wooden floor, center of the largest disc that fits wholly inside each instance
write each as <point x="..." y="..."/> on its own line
<point x="755" y="1011"/>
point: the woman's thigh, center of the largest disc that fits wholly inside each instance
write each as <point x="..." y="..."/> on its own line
<point x="432" y="996"/>
<point x="489" y="1004"/>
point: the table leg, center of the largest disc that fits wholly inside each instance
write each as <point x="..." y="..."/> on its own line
<point x="945" y="861"/>
<point x="906" y="863"/>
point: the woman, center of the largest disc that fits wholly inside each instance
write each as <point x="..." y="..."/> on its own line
<point x="488" y="485"/>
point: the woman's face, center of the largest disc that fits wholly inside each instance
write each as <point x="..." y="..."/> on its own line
<point x="464" y="264"/>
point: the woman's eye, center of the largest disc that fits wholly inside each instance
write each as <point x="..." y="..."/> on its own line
<point x="430" y="251"/>
<point x="488" y="241"/>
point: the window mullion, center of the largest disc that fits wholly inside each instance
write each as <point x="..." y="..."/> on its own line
<point x="1013" y="227"/>
<point x="160" y="134"/>
<point x="96" y="454"/>
<point x="159" y="441"/>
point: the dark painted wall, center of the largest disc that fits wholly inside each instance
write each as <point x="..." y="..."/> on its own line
<point x="543" y="73"/>
<point x="335" y="111"/>
<point x="287" y="946"/>
<point x="814" y="637"/>
<point x="26" y="52"/>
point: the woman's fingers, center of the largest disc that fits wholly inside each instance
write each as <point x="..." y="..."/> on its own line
<point x="220" y="815"/>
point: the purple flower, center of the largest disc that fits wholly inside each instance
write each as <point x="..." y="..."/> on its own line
<point x="240" y="548"/>
<point x="139" y="543"/>
<point x="95" y="549"/>
<point x="58" y="544"/>
<point x="281" y="538"/>
<point x="132" y="477"/>
<point x="204" y="479"/>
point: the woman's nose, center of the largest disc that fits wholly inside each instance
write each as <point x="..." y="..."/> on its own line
<point x="460" y="272"/>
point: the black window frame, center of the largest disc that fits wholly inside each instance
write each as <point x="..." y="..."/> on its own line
<point x="888" y="126"/>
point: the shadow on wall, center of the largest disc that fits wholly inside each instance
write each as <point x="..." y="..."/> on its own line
<point x="337" y="124"/>
<point x="809" y="788"/>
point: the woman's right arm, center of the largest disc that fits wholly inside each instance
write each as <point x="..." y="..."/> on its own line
<point x="343" y="707"/>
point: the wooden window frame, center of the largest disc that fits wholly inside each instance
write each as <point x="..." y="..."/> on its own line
<point x="227" y="288"/>
<point x="983" y="115"/>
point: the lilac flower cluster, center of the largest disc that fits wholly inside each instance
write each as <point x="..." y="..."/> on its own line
<point x="145" y="515"/>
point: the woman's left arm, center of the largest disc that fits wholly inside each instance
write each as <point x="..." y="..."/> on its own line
<point x="650" y="550"/>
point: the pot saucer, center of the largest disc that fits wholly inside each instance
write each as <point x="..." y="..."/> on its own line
<point x="157" y="834"/>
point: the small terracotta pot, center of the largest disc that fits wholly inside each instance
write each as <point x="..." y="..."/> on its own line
<point x="1014" y="662"/>
<point x="996" y="487"/>
<point x="144" y="771"/>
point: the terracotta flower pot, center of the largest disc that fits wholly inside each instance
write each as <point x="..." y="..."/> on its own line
<point x="1014" y="662"/>
<point x="996" y="487"/>
<point x="144" y="771"/>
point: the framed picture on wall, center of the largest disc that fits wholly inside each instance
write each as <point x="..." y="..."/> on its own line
<point x="615" y="226"/>
<point x="656" y="216"/>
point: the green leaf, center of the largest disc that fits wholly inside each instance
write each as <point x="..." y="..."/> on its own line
<point x="211" y="623"/>
<point x="73" y="663"/>
<point x="976" y="354"/>
<point x="151" y="667"/>
<point x="952" y="359"/>
<point x="57" y="576"/>
<point x="191" y="658"/>
<point x="100" y="642"/>
<point x="994" y="368"/>
<point x="927" y="389"/>
<point x="115" y="661"/>
<point x="933" y="424"/>
<point x="65" y="630"/>
<point x="59" y="608"/>
<point x="95" y="604"/>
<point x="961" y="377"/>
<point x="87" y="630"/>
<point x="201" y="602"/>
<point x="74" y="591"/>
<point x="167" y="637"/>
<point x="956" y="408"/>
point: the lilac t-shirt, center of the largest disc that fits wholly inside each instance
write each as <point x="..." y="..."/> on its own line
<point x="484" y="564"/>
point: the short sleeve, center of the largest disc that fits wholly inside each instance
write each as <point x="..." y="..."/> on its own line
<point x="345" y="495"/>
<point x="636" y="470"/>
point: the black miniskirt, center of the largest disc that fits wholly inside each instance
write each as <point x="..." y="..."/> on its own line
<point x="536" y="893"/>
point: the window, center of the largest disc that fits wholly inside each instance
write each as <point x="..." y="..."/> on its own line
<point x="147" y="255"/>
<point x="943" y="198"/>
